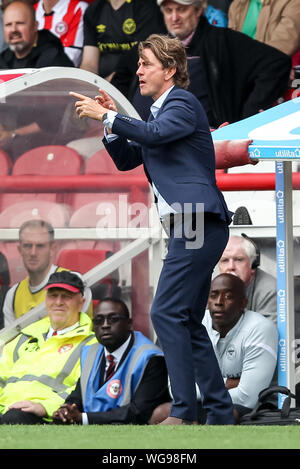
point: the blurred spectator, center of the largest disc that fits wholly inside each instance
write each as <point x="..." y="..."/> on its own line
<point x="123" y="377"/>
<point x="112" y="28"/>
<point x="41" y="366"/>
<point x="232" y="75"/>
<point x="245" y="344"/>
<point x="216" y="12"/>
<point x="275" y="22"/>
<point x="4" y="284"/>
<point x="241" y="257"/>
<point x="36" y="247"/>
<point x="222" y="5"/>
<point x="28" y="47"/>
<point x="64" y="18"/>
<point x="3" y="44"/>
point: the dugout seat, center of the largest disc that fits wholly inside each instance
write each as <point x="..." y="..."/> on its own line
<point x="16" y="214"/>
<point x="83" y="260"/>
<point x="49" y="160"/>
<point x="101" y="163"/>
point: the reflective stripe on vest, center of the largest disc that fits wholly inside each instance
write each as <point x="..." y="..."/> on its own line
<point x="88" y="365"/>
<point x="56" y="384"/>
<point x="133" y="362"/>
<point x="21" y="341"/>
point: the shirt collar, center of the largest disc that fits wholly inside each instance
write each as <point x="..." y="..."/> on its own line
<point x="62" y="331"/>
<point x="185" y="42"/>
<point x="118" y="353"/>
<point x="159" y="102"/>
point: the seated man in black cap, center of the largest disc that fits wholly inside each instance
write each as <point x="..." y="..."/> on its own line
<point x="40" y="367"/>
<point x="123" y="374"/>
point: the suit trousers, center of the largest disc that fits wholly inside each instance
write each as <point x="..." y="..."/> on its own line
<point x="19" y="417"/>
<point x="177" y="312"/>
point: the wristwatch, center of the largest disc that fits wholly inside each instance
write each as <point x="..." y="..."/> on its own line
<point x="13" y="135"/>
<point x="104" y="117"/>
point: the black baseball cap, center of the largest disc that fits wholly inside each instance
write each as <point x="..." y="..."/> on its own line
<point x="66" y="280"/>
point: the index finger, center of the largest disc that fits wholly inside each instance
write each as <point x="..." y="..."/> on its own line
<point x="77" y="95"/>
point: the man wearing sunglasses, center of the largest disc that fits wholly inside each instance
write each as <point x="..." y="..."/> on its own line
<point x="123" y="374"/>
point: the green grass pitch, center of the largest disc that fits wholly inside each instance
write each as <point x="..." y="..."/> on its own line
<point x="148" y="437"/>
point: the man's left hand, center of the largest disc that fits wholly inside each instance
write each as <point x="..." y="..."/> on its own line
<point x="28" y="406"/>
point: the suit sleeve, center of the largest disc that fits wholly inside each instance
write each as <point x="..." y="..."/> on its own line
<point x="151" y="392"/>
<point x="177" y="120"/>
<point x="75" y="397"/>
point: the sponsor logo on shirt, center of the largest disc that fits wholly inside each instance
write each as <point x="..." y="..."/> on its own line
<point x="101" y="28"/>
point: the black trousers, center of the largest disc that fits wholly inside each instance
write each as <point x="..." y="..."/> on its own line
<point x="19" y="417"/>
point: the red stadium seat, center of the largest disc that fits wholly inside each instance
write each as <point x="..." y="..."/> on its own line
<point x="14" y="215"/>
<point x="46" y="160"/>
<point x="83" y="260"/>
<point x="95" y="213"/>
<point x="110" y="213"/>
<point x="102" y="163"/>
<point x="49" y="160"/>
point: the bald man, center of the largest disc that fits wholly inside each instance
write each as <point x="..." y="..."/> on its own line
<point x="245" y="342"/>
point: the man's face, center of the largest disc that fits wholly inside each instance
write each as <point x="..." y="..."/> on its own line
<point x="235" y="261"/>
<point x="226" y="303"/>
<point x="111" y="326"/>
<point x="20" y="30"/>
<point x="180" y="20"/>
<point x="153" y="78"/>
<point x="36" y="250"/>
<point x="63" y="307"/>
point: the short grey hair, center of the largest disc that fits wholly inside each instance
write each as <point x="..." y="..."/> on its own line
<point x="249" y="249"/>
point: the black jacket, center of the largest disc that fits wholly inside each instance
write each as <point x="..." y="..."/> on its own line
<point x="48" y="52"/>
<point x="242" y="75"/>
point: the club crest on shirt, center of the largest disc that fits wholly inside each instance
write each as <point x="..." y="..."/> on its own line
<point x="114" y="388"/>
<point x="65" y="348"/>
<point x="129" y="26"/>
<point x="61" y="28"/>
<point x="231" y="352"/>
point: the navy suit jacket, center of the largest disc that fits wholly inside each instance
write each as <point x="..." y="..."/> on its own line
<point x="177" y="151"/>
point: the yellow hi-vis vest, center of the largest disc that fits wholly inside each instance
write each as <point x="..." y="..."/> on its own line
<point x="39" y="370"/>
<point x="24" y="300"/>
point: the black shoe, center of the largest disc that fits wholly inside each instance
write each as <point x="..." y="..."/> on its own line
<point x="241" y="217"/>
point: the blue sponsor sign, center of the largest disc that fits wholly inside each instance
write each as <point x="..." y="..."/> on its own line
<point x="281" y="280"/>
<point x="275" y="132"/>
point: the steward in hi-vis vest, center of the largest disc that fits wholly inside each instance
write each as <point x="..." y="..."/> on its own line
<point x="123" y="373"/>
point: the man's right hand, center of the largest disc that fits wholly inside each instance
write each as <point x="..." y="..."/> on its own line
<point x="68" y="414"/>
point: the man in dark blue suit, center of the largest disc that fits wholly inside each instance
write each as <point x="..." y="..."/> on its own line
<point x="176" y="149"/>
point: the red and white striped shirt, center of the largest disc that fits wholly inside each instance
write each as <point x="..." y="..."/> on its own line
<point x="66" y="22"/>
